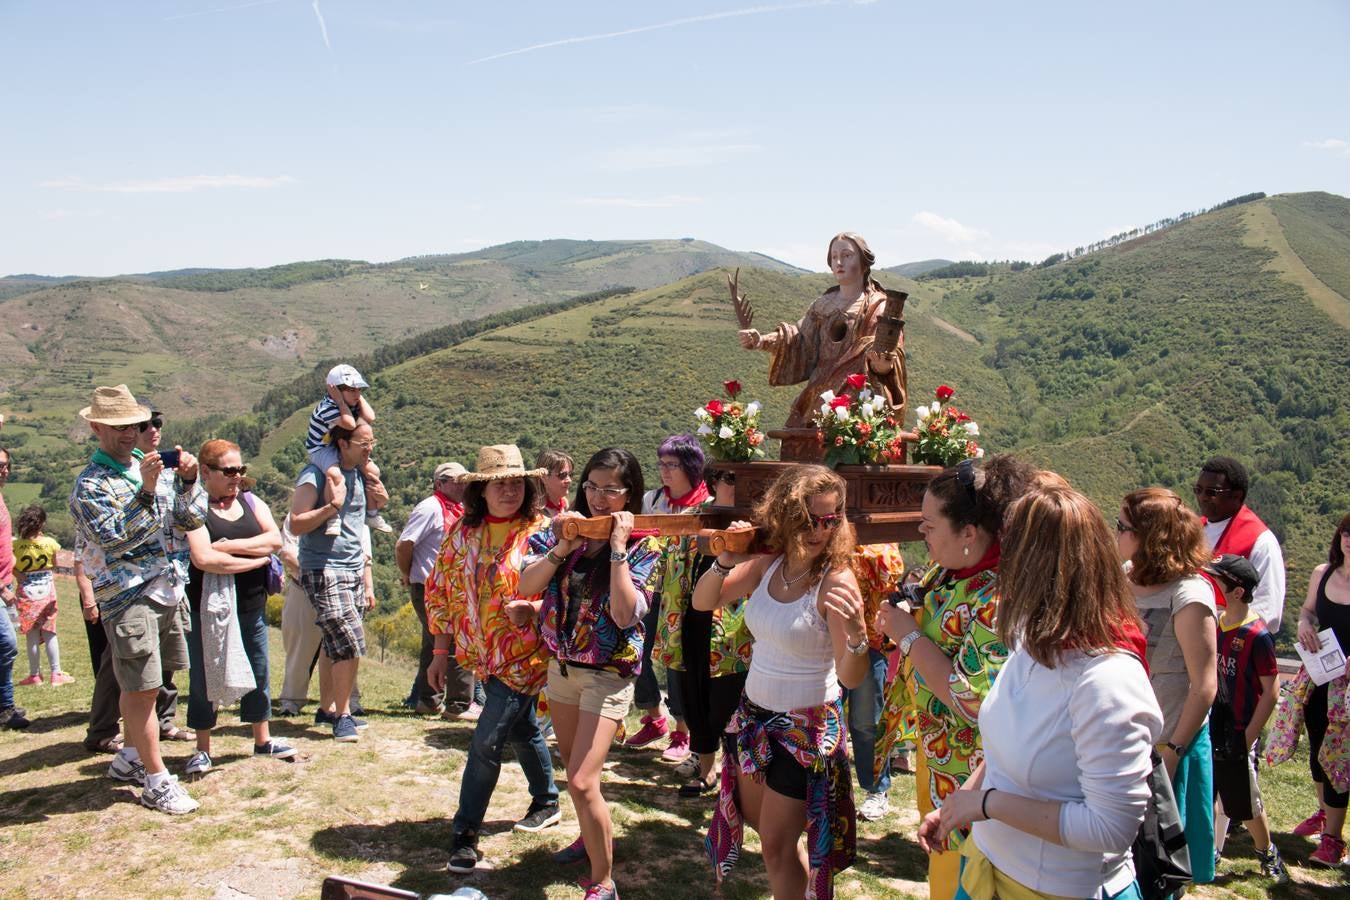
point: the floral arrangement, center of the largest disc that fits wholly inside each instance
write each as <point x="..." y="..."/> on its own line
<point x="946" y="435"/>
<point x="860" y="428"/>
<point x="730" y="429"/>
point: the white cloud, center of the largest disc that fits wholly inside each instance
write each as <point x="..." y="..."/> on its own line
<point x="175" y="185"/>
<point x="950" y="229"/>
<point x="728" y="14"/>
<point x="664" y="202"/>
<point x="1335" y="145"/>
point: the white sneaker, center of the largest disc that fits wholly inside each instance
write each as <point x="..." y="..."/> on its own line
<point x="876" y="805"/>
<point x="198" y="764"/>
<point x="377" y="523"/>
<point x="689" y="768"/>
<point x="170" y="797"/>
<point x="130" y="771"/>
<point x="333" y="527"/>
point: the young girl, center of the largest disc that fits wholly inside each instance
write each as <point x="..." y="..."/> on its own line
<point x="34" y="563"/>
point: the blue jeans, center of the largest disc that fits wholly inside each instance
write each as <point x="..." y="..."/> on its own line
<point x="864" y="714"/>
<point x="9" y="650"/>
<point x="507" y="716"/>
<point x="256" y="705"/>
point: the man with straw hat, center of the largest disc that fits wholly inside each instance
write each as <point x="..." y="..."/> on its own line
<point x="126" y="517"/>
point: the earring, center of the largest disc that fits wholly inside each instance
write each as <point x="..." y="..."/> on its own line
<point x="965" y="551"/>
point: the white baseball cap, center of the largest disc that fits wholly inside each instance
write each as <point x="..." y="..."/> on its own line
<point x="343" y="375"/>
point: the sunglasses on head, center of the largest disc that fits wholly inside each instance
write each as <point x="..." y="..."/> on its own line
<point x="230" y="471"/>
<point x="965" y="476"/>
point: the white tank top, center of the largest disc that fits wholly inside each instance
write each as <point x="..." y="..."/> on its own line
<point x="792" y="666"/>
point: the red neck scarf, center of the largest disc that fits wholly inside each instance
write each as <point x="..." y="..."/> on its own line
<point x="988" y="561"/>
<point x="696" y="495"/>
<point x="555" y="508"/>
<point x="451" y="511"/>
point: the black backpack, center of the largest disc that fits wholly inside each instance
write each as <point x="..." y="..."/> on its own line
<point x="1162" y="862"/>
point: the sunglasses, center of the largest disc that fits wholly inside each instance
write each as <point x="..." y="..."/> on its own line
<point x="230" y="471"/>
<point x="830" y="521"/>
<point x="1122" y="528"/>
<point x="1209" y="491"/>
<point x="965" y="476"/>
<point x="156" y="422"/>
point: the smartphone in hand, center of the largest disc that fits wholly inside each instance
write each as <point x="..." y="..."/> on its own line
<point x="170" y="458"/>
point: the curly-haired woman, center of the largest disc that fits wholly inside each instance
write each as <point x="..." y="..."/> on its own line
<point x="785" y="771"/>
<point x="1164" y="545"/>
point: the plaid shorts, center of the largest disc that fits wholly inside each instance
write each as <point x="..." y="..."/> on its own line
<point x="335" y="595"/>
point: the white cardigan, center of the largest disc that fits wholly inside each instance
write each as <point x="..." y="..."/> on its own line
<point x="1079" y="734"/>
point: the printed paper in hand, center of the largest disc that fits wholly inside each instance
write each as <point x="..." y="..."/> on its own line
<point x="1329" y="660"/>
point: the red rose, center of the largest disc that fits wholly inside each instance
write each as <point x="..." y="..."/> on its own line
<point x="714" y="407"/>
<point x="890" y="421"/>
<point x="840" y="401"/>
<point x="944" y="393"/>
<point x="733" y="388"/>
<point x="857" y="381"/>
<point x="960" y="416"/>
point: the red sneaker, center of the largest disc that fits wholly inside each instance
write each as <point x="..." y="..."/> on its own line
<point x="1313" y="825"/>
<point x="1330" y="852"/>
<point x="678" y="751"/>
<point x="653" y="729"/>
<point x="30" y="680"/>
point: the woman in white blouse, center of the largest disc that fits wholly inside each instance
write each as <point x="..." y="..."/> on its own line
<point x="1069" y="723"/>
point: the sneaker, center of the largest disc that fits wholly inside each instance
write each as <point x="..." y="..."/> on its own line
<point x="599" y="891"/>
<point x="689" y="768"/>
<point x="874" y="806"/>
<point x="356" y="709"/>
<point x="62" y="678"/>
<point x="274" y="749"/>
<point x="325" y="718"/>
<point x="1272" y="866"/>
<point x="540" y="816"/>
<point x="574" y="852"/>
<point x="653" y="729"/>
<point x="170" y="797"/>
<point x="464" y="853"/>
<point x="344" y="730"/>
<point x="130" y="771"/>
<point x="14" y="719"/>
<point x="471" y="713"/>
<point x="1313" y="825"/>
<point x="1330" y="852"/>
<point x="333" y="527"/>
<point x="678" y="751"/>
<point x="377" y="523"/>
<point x="30" y="680"/>
<point x="198" y="764"/>
<point x="288" y="708"/>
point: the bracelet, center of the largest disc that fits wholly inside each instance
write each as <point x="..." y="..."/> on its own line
<point x="617" y="556"/>
<point x="908" y="640"/>
<point x="722" y="570"/>
<point x="557" y="561"/>
<point x="860" y="649"/>
<point x="440" y="651"/>
<point x="984" y="803"/>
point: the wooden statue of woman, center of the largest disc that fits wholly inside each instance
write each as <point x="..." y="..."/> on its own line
<point x="834" y="339"/>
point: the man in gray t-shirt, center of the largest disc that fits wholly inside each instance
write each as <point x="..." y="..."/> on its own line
<point x="332" y="566"/>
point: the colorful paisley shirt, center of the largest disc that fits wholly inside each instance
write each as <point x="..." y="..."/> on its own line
<point x="594" y="638"/>
<point x="731" y="641"/>
<point x="471" y="582"/>
<point x="958" y="616"/>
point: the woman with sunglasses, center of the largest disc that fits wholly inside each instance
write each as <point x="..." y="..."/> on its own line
<point x="1164" y="548"/>
<point x="785" y="771"/>
<point x="237" y="539"/>
<point x="951" y="651"/>
<point x="595" y="594"/>
<point x="680" y="461"/>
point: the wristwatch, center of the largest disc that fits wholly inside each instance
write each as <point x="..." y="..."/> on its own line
<point x="617" y="556"/>
<point x="1179" y="751"/>
<point x="908" y="641"/>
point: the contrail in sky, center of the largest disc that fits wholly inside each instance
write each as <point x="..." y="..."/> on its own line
<point x="729" y="14"/>
<point x="323" y="29"/>
<point x="208" y="12"/>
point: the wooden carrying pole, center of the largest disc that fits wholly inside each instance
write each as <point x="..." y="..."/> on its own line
<point x="711" y="540"/>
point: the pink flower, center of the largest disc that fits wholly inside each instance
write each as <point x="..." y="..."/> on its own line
<point x="714" y="407"/>
<point x="754" y="438"/>
<point x="839" y="441"/>
<point x="857" y="381"/>
<point x="944" y="393"/>
<point x="733" y="388"/>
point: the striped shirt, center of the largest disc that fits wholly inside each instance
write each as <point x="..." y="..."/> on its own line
<point x="320" y="421"/>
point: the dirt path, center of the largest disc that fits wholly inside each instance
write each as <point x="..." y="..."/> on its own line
<point x="1264" y="231"/>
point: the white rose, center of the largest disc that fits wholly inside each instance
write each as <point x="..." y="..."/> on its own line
<point x="922" y="412"/>
<point x="752" y="408"/>
<point x="702" y="415"/>
<point x="726" y="432"/>
<point x="979" y="453"/>
<point x="971" y="428"/>
<point x="705" y="429"/>
<point x="824" y="409"/>
<point x="827" y="396"/>
<point x="841" y="414"/>
<point x="865" y="394"/>
<point x="866" y="408"/>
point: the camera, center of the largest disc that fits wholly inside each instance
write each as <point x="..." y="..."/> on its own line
<point x="909" y="593"/>
<point x="170" y="458"/>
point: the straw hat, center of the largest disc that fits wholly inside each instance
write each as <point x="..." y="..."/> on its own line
<point x="500" y="461"/>
<point x="115" y="406"/>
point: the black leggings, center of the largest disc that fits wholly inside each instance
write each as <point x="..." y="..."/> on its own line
<point x="1315" y="719"/>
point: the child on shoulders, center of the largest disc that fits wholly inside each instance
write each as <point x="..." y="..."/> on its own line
<point x="344" y="407"/>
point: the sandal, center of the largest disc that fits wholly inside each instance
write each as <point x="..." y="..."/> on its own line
<point x="174" y="733"/>
<point x="108" y="745"/>
<point x="697" y="787"/>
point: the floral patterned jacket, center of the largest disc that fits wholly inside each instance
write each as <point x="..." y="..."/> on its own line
<point x="1334" y="756"/>
<point x="466" y="597"/>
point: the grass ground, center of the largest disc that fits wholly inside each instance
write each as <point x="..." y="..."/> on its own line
<point x="379" y="810"/>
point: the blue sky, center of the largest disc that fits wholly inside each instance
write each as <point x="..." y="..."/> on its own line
<point x="157" y="134"/>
